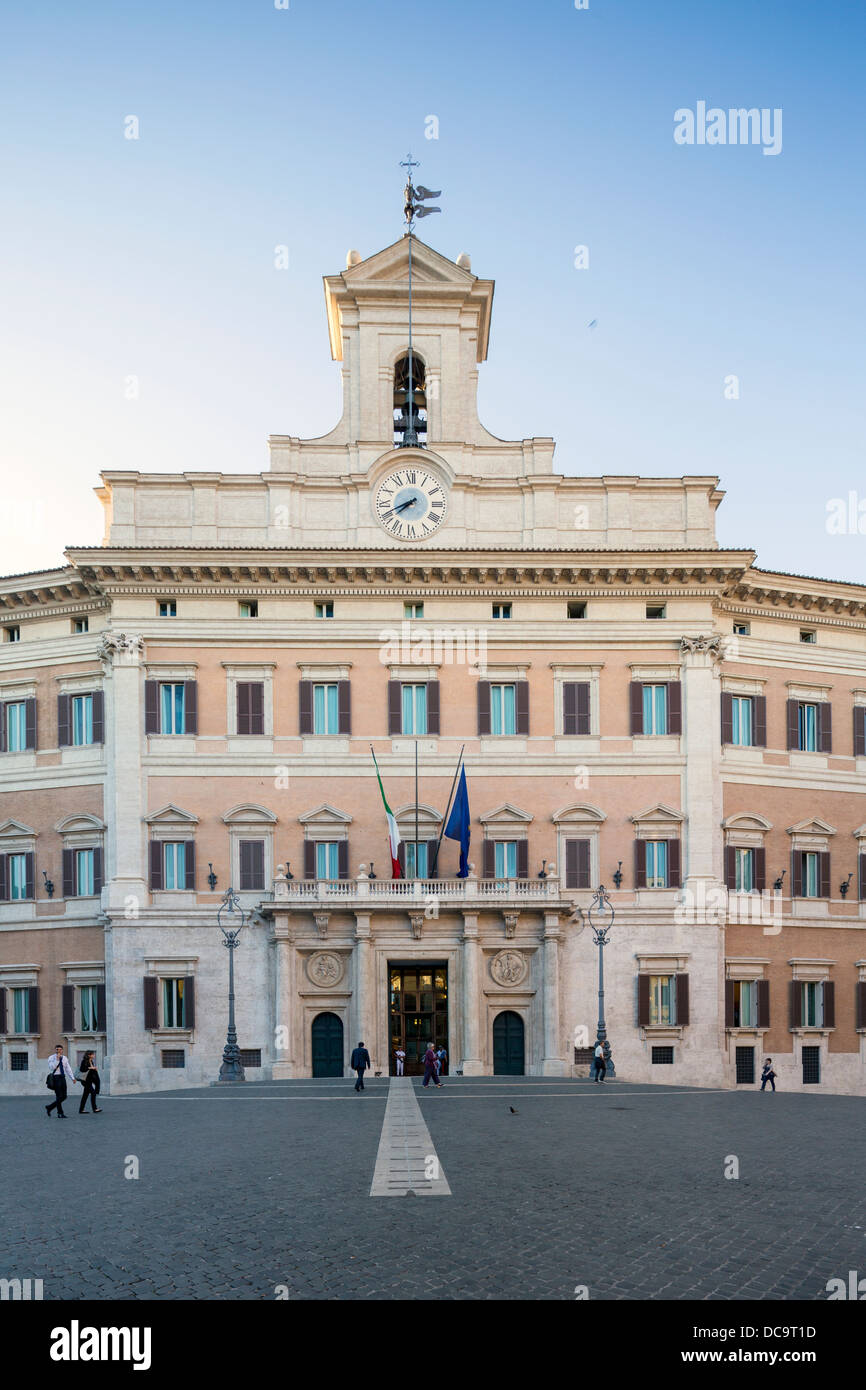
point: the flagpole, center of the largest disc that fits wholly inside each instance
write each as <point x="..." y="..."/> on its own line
<point x="447" y="809"/>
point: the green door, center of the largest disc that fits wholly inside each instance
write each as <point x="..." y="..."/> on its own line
<point x="327" y="1045"/>
<point x="508" y="1045"/>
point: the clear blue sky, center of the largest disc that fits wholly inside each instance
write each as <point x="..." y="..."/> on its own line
<point x="258" y="127"/>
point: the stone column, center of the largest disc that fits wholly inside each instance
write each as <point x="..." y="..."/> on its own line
<point x="125" y="871"/>
<point x="472" y="1004"/>
<point x="362" y="999"/>
<point x="552" y="1064"/>
<point x="283" y="1002"/>
<point x="702" y="863"/>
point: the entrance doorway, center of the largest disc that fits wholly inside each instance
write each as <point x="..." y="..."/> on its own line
<point x="418" y="1011"/>
<point x="327" y="1036"/>
<point x="508" y="1058"/>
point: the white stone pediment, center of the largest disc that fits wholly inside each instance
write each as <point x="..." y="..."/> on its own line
<point x="392" y="265"/>
<point x="170" y="815"/>
<point x="428" y="817"/>
<point x="506" y="814"/>
<point x="659" y="814"/>
<point x="14" y="829"/>
<point x="579" y="814"/>
<point x="813" y="826"/>
<point x="745" y="821"/>
<point x="72" y="825"/>
<point x="325" y="815"/>
<point x="249" y="814"/>
<point x="859" y="833"/>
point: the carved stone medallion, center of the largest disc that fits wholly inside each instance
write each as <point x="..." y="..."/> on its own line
<point x="509" y="968"/>
<point x="325" y="969"/>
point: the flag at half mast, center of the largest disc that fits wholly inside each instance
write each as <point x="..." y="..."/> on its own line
<point x="393" y="832"/>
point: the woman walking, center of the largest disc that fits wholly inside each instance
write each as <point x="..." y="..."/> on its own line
<point x="59" y="1071"/>
<point x="89" y="1078"/>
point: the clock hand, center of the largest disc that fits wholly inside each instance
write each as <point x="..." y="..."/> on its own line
<point x="403" y="505"/>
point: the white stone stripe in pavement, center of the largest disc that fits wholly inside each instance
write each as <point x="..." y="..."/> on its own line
<point x="406" y="1161"/>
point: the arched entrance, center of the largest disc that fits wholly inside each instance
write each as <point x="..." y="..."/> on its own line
<point x="327" y="1035"/>
<point x="508" y="1056"/>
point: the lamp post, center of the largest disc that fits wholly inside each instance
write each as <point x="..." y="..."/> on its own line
<point x="601" y="904"/>
<point x="231" y="1069"/>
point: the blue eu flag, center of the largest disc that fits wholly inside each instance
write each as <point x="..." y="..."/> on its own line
<point x="458" y="824"/>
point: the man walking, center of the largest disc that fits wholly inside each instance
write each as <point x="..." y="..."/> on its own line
<point x="768" y="1075"/>
<point x="59" y="1072"/>
<point x="600" y="1066"/>
<point x="360" y="1063"/>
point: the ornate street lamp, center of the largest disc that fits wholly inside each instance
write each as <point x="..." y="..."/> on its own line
<point x="231" y="1069"/>
<point x="602" y="905"/>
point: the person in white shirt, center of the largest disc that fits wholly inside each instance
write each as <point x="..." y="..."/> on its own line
<point x="401" y="1057"/>
<point x="59" y="1072"/>
<point x="600" y="1065"/>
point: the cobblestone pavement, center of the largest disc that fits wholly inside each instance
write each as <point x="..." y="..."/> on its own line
<point x="619" y="1188"/>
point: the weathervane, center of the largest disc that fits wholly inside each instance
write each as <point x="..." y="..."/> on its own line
<point x="413" y="201"/>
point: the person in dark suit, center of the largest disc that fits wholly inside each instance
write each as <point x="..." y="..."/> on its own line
<point x="768" y="1075"/>
<point x="89" y="1078"/>
<point x="360" y="1063"/>
<point x="59" y="1072"/>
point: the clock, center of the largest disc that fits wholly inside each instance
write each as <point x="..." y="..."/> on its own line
<point x="410" y="503"/>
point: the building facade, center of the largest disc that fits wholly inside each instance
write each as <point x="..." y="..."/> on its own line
<point x="192" y="705"/>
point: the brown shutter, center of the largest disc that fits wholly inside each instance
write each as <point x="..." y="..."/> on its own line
<point x="242" y="695"/>
<point x="825" y="727"/>
<point x="432" y="864"/>
<point x="727" y="717"/>
<point x="156" y="865"/>
<point x="795" y="1003"/>
<point x="759" y="877"/>
<point x="488" y="859"/>
<point x="343" y="859"/>
<point x="793" y="720"/>
<point x="824" y="875"/>
<point x="100" y="1008"/>
<point x="4" y="878"/>
<point x="189" y="1001"/>
<point x="730" y="867"/>
<point x="309" y="859"/>
<point x="484" y="707"/>
<point x="64" y="733"/>
<point x="395" y="707"/>
<point x="401" y="857"/>
<point x="583" y="715"/>
<point x="151" y="1001"/>
<point x="571" y="871"/>
<point x="344" y="706"/>
<point x="433" y="707"/>
<point x="643" y="1000"/>
<point x="190" y="707"/>
<point x="635" y="707"/>
<point x="859" y="1001"/>
<point x="67" y="1024"/>
<point x="98" y="870"/>
<point x="305" y="707"/>
<point x="68" y="873"/>
<point x="29" y="866"/>
<point x="523" y="859"/>
<point x="796" y="874"/>
<point x="33" y="993"/>
<point x="151" y="707"/>
<point x="859" y="731"/>
<point x="30" y="727"/>
<point x="569" y="708"/>
<point x="583" y="864"/>
<point x="763" y="1003"/>
<point x="257" y="707"/>
<point x="244" y="857"/>
<point x="829" y="997"/>
<point x="2" y="1011"/>
<point x="189" y="864"/>
<point x="729" y="1003"/>
<point x="759" y="721"/>
<point x="98" y="716"/>
<point x="675" y="707"/>
<point x="673" y="863"/>
<point x="640" y="863"/>
<point x="521" y="701"/>
<point x="682" y="1000"/>
<point x="861" y="860"/>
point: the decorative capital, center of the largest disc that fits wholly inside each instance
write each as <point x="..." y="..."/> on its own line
<point x="125" y="648"/>
<point x="710" y="646"/>
<point x="321" y="920"/>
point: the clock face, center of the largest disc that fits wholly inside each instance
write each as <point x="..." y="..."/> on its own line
<point x="410" y="504"/>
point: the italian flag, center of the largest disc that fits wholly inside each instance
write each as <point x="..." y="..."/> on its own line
<point x="393" y="832"/>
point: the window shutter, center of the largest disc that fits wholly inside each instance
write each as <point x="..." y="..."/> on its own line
<point x="523" y="859"/>
<point x="488" y="858"/>
<point x="643" y="1001"/>
<point x="825" y="727"/>
<point x="673" y="863"/>
<point x="189" y="1000"/>
<point x="190" y="707"/>
<point x="824" y="875"/>
<point x="189" y="863"/>
<point x="583" y="864"/>
<point x="98" y="716"/>
<point x="521" y="700"/>
<point x="245" y="870"/>
<point x="98" y="870"/>
<point x="635" y="707"/>
<point x="68" y="873"/>
<point x="682" y="1000"/>
<point x="759" y="721"/>
<point x="484" y="707"/>
<point x="433" y="707"/>
<point x="795" y="1003"/>
<point x="309" y="859"/>
<point x="29" y="867"/>
<point x="151" y="1001"/>
<point x="401" y="857"/>
<point x="675" y="707"/>
<point x="730" y="867"/>
<point x="859" y="731"/>
<point x="33" y="993"/>
<point x="344" y="705"/>
<point x="640" y="863"/>
<point x="760" y="876"/>
<point x="860" y="1002"/>
<point x="569" y="708"/>
<point x="763" y="1003"/>
<point x="2" y="728"/>
<point x="343" y="859"/>
<point x="395" y="707"/>
<point x="793" y="708"/>
<point x="4" y="878"/>
<point x="861" y="860"/>
<point x="571" y="870"/>
<point x="796" y="874"/>
<point x="242" y="695"/>
<point x="727" y="717"/>
<point x="30" y="724"/>
<point x="305" y="707"/>
<point x="63" y="732"/>
<point x="729" y="1003"/>
<point x="583" y="714"/>
<point x="100" y="1008"/>
<point x="432" y="859"/>
<point x="156" y="878"/>
<point x="257" y="707"/>
<point x="829" y="1000"/>
<point x="67" y="1024"/>
<point x="151" y="707"/>
<point x="2" y="1011"/>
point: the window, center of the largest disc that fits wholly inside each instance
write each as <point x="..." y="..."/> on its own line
<point x="172" y="708"/>
<point x="808" y="634"/>
<point x="85" y="877"/>
<point x="20" y="1010"/>
<point x="19" y="1061"/>
<point x="745" y="1004"/>
<point x="741" y="629"/>
<point x="741" y="720"/>
<point x="577" y="609"/>
<point x="503" y="709"/>
<point x="662" y="1057"/>
<point x="12" y="634"/>
<point x="413" y="610"/>
<point x="250" y="707"/>
<point x="79" y="625"/>
<point x="655" y="610"/>
<point x="325" y="610"/>
<point x="807" y="728"/>
<point x="811" y="1066"/>
<point x="81" y="707"/>
<point x="89" y="1008"/>
<point x="811" y="1003"/>
<point x="16" y="726"/>
<point x="655" y="709"/>
<point x="505" y="859"/>
<point x="415" y="851"/>
<point x="662" y="996"/>
<point x="174" y="1012"/>
<point x="18" y="877"/>
<point x="168" y="608"/>
<point x="327" y="859"/>
<point x="251" y="1056"/>
<point x="745" y="1063"/>
<point x="173" y="1057"/>
<point x="174" y="864"/>
<point x="251" y="856"/>
<point x="810" y="725"/>
<point x="326" y="714"/>
<point x="502" y="610"/>
<point x="807" y="883"/>
<point x="744" y="870"/>
<point x="656" y="863"/>
<point x="414" y="709"/>
<point x="248" y="609"/>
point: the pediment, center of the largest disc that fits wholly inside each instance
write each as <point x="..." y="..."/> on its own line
<point x="391" y="264"/>
<point x="427" y="816"/>
<point x="247" y="813"/>
<point x="170" y="815"/>
<point x="660" y="813"/>
<point x="506" y="814"/>
<point x="581" y="813"/>
<point x="747" y="821"/>
<point x="325" y="815"/>
<point x="813" y="826"/>
<point x="71" y="825"/>
<point x="13" y="829"/>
